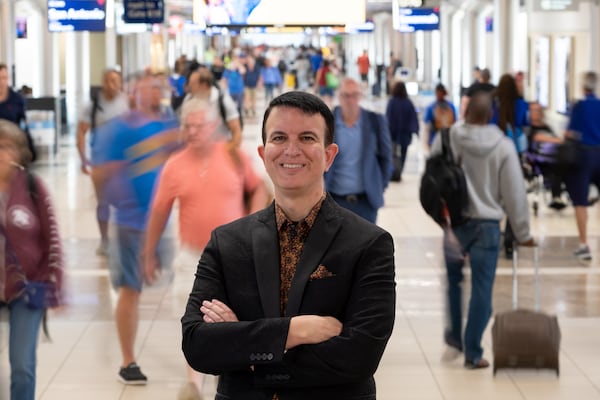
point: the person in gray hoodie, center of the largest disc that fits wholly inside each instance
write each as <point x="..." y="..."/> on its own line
<point x="495" y="186"/>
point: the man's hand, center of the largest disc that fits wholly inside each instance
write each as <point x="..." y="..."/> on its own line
<point x="151" y="267"/>
<point x="530" y="243"/>
<point x="85" y="166"/>
<point x="217" y="311"/>
<point x="311" y="329"/>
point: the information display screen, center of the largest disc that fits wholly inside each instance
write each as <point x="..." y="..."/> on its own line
<point x="76" y="15"/>
<point x="417" y="19"/>
<point x="280" y="12"/>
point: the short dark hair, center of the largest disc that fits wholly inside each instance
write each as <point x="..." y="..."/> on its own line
<point x="309" y="104"/>
<point x="399" y="90"/>
<point x="3" y="66"/>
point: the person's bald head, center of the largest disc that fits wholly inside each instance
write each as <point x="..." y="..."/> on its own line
<point x="479" y="109"/>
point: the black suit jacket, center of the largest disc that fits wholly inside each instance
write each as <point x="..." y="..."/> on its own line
<point x="240" y="266"/>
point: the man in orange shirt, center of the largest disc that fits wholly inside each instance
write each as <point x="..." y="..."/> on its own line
<point x="209" y="179"/>
<point x="363" y="67"/>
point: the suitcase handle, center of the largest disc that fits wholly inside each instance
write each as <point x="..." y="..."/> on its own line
<point x="536" y="286"/>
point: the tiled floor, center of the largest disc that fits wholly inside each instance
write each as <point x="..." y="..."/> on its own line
<point x="83" y="357"/>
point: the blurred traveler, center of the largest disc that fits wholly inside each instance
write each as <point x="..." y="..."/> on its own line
<point x="234" y="77"/>
<point x="511" y="116"/>
<point x="108" y="103"/>
<point x="271" y="79"/>
<point x="584" y="125"/>
<point x="440" y="114"/>
<point x="543" y="144"/>
<point x="202" y="86"/>
<point x="31" y="267"/>
<point x="12" y="108"/>
<point x="251" y="81"/>
<point x="364" y="65"/>
<point x="128" y="156"/>
<point x="204" y="165"/>
<point x="257" y="314"/>
<point x="363" y="167"/>
<point x="481" y="84"/>
<point x="403" y="124"/>
<point x="495" y="185"/>
<point x="326" y="81"/>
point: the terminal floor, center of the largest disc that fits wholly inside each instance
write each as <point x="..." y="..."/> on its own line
<point x="83" y="357"/>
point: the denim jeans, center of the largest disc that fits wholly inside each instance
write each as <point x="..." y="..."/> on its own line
<point x="480" y="239"/>
<point x="24" y="326"/>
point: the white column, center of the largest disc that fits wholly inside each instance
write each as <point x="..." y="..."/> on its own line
<point x="469" y="48"/>
<point x="594" y="52"/>
<point x="7" y="34"/>
<point x="505" y="15"/>
<point x="77" y="64"/>
<point x="50" y="83"/>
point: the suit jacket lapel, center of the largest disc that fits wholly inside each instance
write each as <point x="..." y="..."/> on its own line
<point x="265" y="249"/>
<point x="326" y="225"/>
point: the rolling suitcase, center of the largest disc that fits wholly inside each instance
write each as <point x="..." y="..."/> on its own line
<point x="525" y="338"/>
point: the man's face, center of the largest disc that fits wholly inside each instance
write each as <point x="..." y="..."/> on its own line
<point x="294" y="154"/>
<point x="111" y="84"/>
<point x="3" y="79"/>
<point x="198" y="132"/>
<point x="349" y="96"/>
<point x="149" y="94"/>
<point x="536" y="114"/>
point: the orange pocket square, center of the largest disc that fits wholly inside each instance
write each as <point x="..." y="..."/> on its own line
<point x="320" y="273"/>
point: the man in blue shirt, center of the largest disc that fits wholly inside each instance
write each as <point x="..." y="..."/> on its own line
<point x="128" y="157"/>
<point x="363" y="166"/>
<point x="585" y="126"/>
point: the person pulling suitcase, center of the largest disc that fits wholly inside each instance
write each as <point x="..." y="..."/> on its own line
<point x="495" y="186"/>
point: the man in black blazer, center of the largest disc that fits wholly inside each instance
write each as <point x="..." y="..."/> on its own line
<point x="296" y="301"/>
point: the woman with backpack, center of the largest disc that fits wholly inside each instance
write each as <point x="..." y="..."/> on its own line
<point x="31" y="266"/>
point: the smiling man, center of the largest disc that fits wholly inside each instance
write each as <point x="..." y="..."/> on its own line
<point x="295" y="301"/>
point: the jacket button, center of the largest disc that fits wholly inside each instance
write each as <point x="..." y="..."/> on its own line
<point x="252" y="357"/>
<point x="270" y="356"/>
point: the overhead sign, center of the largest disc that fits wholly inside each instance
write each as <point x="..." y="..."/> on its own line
<point x="76" y="15"/>
<point x="417" y="19"/>
<point x="556" y="5"/>
<point x="144" y="11"/>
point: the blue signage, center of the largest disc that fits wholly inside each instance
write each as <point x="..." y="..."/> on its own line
<point x="76" y="15"/>
<point x="418" y="19"/>
<point x="144" y="11"/>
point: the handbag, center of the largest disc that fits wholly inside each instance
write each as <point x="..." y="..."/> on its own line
<point x="38" y="295"/>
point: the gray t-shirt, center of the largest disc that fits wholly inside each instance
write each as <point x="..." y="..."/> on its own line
<point x="107" y="110"/>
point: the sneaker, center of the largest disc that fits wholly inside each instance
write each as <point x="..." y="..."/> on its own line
<point x="583" y="253"/>
<point x="557" y="203"/>
<point x="132" y="375"/>
<point x="451" y="354"/>
<point x="481" y="363"/>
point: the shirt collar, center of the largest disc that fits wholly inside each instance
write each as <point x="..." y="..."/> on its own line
<point x="282" y="219"/>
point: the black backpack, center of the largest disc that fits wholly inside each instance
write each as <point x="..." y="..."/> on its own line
<point x="443" y="192"/>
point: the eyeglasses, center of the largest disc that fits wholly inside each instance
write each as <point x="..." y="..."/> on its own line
<point x="349" y="96"/>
